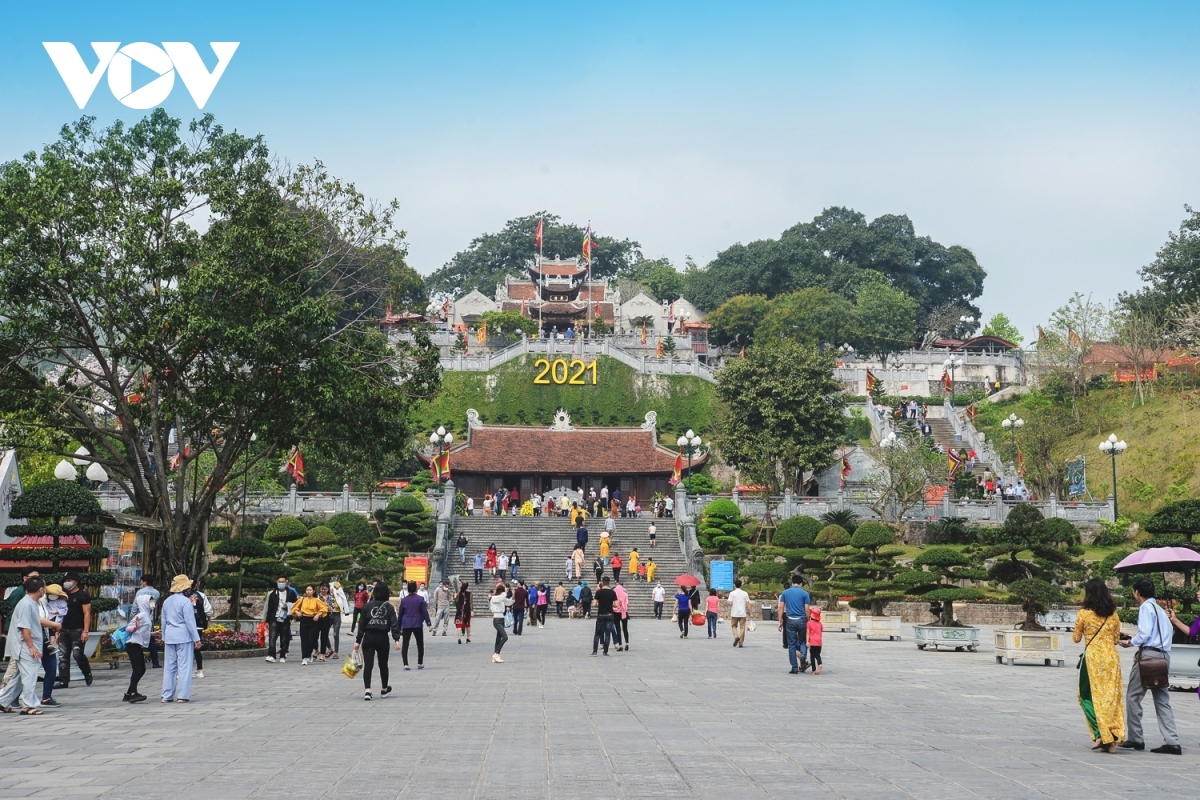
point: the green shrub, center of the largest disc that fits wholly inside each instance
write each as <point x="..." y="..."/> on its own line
<point x="832" y="536"/>
<point x="353" y="530"/>
<point x="408" y="525"/>
<point x="766" y="572"/>
<point x="285" y="529"/>
<point x="872" y="536"/>
<point x="796" y="532"/>
<point x="55" y="500"/>
<point x="320" y="536"/>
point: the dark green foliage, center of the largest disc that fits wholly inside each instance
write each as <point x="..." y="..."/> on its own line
<point x="1049" y="542"/>
<point x="408" y="525"/>
<point x="253" y="530"/>
<point x="800" y="531"/>
<point x="950" y="530"/>
<point x="832" y="536"/>
<point x="50" y="553"/>
<point x="353" y="530"/>
<point x="460" y="504"/>
<point x="871" y="536"/>
<point x="88" y="579"/>
<point x="320" y="536"/>
<point x="858" y="429"/>
<point x="766" y="572"/>
<point x="284" y="530"/>
<point x="1181" y="517"/>
<point x="940" y="566"/>
<point x="1035" y="595"/>
<point x="242" y="563"/>
<point x="722" y="527"/>
<point x="844" y="518"/>
<point x="55" y="500"/>
<point x="701" y="484"/>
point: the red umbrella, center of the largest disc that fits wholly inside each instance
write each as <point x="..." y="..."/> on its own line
<point x="687" y="580"/>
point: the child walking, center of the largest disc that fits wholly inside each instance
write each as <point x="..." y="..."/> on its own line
<point x="814" y="638"/>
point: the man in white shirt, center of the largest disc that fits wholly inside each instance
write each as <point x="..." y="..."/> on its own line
<point x="670" y="506"/>
<point x="738" y="600"/>
<point x="421" y="590"/>
<point x="659" y="595"/>
<point x="470" y="505"/>
<point x="1154" y="641"/>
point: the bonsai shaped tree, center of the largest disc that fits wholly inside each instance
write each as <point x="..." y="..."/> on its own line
<point x="795" y="532"/>
<point x="285" y="532"/>
<point x="48" y="504"/>
<point x="1175" y="525"/>
<point x="243" y="563"/>
<point x="935" y="570"/>
<point x="722" y="527"/>
<point x="830" y="543"/>
<point x="1053" y="544"/>
<point x="408" y="525"/>
<point x="867" y="568"/>
<point x="1035" y="595"/>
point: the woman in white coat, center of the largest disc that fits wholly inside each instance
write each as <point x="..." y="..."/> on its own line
<point x="139" y="628"/>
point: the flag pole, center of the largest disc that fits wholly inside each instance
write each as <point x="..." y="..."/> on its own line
<point x="540" y="299"/>
<point x="588" y="281"/>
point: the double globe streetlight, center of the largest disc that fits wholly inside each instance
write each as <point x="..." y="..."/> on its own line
<point x="689" y="443"/>
<point x="1113" y="448"/>
<point x="66" y="470"/>
<point x="1012" y="424"/>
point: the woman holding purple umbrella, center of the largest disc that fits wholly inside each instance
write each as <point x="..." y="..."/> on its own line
<point x="1192" y="631"/>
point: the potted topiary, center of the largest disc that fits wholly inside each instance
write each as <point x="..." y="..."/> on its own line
<point x="722" y="527"/>
<point x="1052" y="545"/>
<point x="867" y="571"/>
<point x="934" y="573"/>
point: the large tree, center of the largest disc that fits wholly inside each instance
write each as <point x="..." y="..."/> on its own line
<point x="163" y="287"/>
<point x="490" y="257"/>
<point x="813" y="316"/>
<point x="832" y="251"/>
<point x="886" y="320"/>
<point x="782" y="412"/>
<point x="1173" y="278"/>
<point x="736" y="320"/>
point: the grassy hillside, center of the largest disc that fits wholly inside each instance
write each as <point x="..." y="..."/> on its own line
<point x="1163" y="436"/>
<point x="621" y="396"/>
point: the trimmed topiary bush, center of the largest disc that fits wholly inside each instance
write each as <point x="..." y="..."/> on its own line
<point x="407" y="524"/>
<point x="722" y="527"/>
<point x="353" y="530"/>
<point x="54" y="500"/>
<point x="796" y="532"/>
<point x="766" y="572"/>
<point x="832" y="536"/>
<point x="284" y="530"/>
<point x="872" y="536"/>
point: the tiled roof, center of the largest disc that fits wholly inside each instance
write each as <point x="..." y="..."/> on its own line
<point x="521" y="290"/>
<point x="560" y="268"/>
<point x="522" y="450"/>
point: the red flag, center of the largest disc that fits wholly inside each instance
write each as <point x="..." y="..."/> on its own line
<point x="873" y="383"/>
<point x="1021" y="463"/>
<point x="972" y="411"/>
<point x="587" y="244"/>
<point x="445" y="465"/>
<point x="597" y="309"/>
<point x="295" y="465"/>
<point x="435" y="468"/>
<point x="947" y="383"/>
<point x="658" y="350"/>
<point x="678" y="469"/>
<point x="643" y="334"/>
<point x="954" y="462"/>
<point x="538" y="236"/>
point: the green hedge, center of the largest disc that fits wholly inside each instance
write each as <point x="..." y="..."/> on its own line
<point x="88" y="579"/>
<point x="796" y="532"/>
<point x="50" y="553"/>
<point x="768" y="571"/>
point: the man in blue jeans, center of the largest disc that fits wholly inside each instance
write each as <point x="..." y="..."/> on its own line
<point x="793" y="613"/>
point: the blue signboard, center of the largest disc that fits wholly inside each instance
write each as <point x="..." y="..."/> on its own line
<point x="720" y="575"/>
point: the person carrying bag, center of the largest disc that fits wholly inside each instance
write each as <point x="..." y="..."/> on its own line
<point x="1151" y="670"/>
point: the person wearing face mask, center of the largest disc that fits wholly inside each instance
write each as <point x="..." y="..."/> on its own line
<point x="74" y="634"/>
<point x="277" y="615"/>
<point x="361" y="595"/>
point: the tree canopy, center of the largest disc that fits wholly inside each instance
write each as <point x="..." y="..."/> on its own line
<point x="833" y="251"/>
<point x="781" y="412"/>
<point x="163" y="285"/>
<point x="491" y="256"/>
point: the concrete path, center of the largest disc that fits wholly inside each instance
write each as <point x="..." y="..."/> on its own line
<point x="671" y="718"/>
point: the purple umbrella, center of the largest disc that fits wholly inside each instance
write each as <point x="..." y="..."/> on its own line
<point x="1160" y="559"/>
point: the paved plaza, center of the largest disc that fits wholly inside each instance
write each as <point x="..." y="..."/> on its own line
<point x="669" y="719"/>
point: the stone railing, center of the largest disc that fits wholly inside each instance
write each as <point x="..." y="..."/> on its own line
<point x="974" y="440"/>
<point x="689" y="545"/>
<point x="444" y="513"/>
<point x="981" y="511"/>
<point x="291" y="504"/>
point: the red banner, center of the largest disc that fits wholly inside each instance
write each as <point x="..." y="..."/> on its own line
<point x="1129" y="375"/>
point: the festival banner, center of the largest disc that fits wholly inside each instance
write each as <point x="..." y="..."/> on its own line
<point x="1076" y="477"/>
<point x="873" y="384"/>
<point x="1130" y="375"/>
<point x="295" y="465"/>
<point x="678" y="469"/>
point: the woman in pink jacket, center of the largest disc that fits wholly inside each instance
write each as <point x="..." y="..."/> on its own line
<point x="621" y="618"/>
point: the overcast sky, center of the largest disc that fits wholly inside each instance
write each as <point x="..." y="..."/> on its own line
<point x="1058" y="145"/>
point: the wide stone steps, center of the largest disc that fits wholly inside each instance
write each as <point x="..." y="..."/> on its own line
<point x="544" y="544"/>
<point x="943" y="434"/>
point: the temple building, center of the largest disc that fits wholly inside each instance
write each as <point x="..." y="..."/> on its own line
<point x="559" y="293"/>
<point x="539" y="459"/>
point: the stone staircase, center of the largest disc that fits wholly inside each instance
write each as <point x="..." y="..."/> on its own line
<point x="943" y="434"/>
<point x="544" y="544"/>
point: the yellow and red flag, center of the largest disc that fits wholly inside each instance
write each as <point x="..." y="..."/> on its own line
<point x="643" y="334"/>
<point x="587" y="244"/>
<point x="972" y="411"/>
<point x="947" y="382"/>
<point x="954" y="462"/>
<point x="658" y="350"/>
<point x="295" y="465"/>
<point x="444" y="466"/>
<point x="481" y="337"/>
<point x="742" y="352"/>
<point x="678" y="468"/>
<point x="435" y="467"/>
<point x="537" y="237"/>
<point x="873" y="383"/>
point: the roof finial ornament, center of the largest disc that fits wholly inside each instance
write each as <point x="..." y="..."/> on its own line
<point x="562" y="421"/>
<point x="651" y="422"/>
<point x="473" y="420"/>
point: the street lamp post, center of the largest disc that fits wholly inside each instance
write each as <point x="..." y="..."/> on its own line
<point x="1012" y="424"/>
<point x="1113" y="447"/>
<point x="439" y="440"/>
<point x="689" y="443"/>
<point x="952" y="364"/>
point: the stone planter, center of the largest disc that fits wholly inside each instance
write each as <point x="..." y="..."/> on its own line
<point x="867" y="627"/>
<point x="836" y="620"/>
<point x="1045" y="646"/>
<point x="1062" y="619"/>
<point x="1185" y="672"/>
<point x="938" y="638"/>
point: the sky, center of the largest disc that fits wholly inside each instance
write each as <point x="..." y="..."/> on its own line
<point x="1057" y="141"/>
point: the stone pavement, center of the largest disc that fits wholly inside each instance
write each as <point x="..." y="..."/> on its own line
<point x="670" y="719"/>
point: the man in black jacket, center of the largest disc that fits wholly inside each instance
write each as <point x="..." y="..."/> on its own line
<point x="277" y="613"/>
<point x="606" y="598"/>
